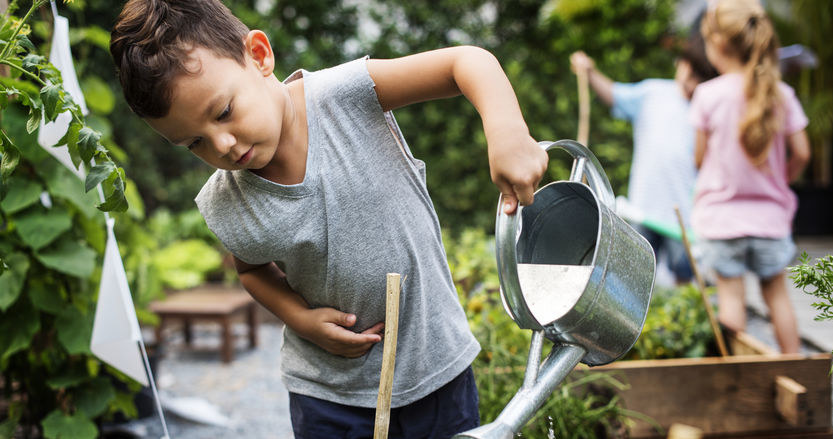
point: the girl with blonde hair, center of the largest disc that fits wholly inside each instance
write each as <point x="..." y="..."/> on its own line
<point x="750" y="144"/>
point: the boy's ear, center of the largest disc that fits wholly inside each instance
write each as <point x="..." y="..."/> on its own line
<point x="260" y="51"/>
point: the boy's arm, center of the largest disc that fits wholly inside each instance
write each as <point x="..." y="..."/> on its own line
<point x="326" y="327"/>
<point x="601" y="84"/>
<point x="799" y="147"/>
<point x="700" y="142"/>
<point x="516" y="161"/>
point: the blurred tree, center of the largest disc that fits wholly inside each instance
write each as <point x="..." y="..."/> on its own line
<point x="630" y="39"/>
<point x="811" y="24"/>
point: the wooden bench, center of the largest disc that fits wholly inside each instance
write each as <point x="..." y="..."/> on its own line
<point x="212" y="303"/>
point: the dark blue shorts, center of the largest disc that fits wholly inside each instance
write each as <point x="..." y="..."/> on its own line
<point x="674" y="251"/>
<point x="451" y="409"/>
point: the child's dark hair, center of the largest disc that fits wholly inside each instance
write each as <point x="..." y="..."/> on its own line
<point x="152" y="39"/>
<point x="693" y="51"/>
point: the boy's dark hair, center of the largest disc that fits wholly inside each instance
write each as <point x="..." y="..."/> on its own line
<point x="693" y="51"/>
<point x="152" y="39"/>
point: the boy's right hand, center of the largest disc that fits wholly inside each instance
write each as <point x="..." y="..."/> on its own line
<point x="327" y="328"/>
<point x="579" y="61"/>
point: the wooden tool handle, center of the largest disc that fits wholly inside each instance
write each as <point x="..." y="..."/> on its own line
<point x="388" y="357"/>
<point x="583" y="107"/>
<point x="701" y="285"/>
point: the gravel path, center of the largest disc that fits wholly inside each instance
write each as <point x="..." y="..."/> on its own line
<point x="247" y="391"/>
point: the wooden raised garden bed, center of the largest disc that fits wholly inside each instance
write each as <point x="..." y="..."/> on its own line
<point x="756" y="393"/>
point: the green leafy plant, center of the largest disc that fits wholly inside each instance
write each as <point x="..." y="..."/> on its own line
<point x="36" y="84"/>
<point x="816" y="279"/>
<point x="52" y="236"/>
<point x="677" y="326"/>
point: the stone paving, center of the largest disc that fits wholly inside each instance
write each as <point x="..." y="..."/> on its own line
<point x="816" y="333"/>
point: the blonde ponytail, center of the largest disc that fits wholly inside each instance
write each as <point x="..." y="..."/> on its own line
<point x="750" y="36"/>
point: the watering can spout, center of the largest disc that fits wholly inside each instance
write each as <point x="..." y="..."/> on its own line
<point x="530" y="398"/>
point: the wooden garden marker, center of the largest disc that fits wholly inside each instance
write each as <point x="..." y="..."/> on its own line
<point x="388" y="357"/>
<point x="718" y="335"/>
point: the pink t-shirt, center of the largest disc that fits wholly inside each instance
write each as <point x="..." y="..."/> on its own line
<point x="734" y="198"/>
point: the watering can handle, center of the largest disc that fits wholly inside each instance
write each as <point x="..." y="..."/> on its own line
<point x="507" y="227"/>
<point x="586" y="164"/>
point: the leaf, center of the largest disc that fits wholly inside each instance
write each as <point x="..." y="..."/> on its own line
<point x="17" y="327"/>
<point x="11" y="157"/>
<point x="51" y="95"/>
<point x="21" y="194"/>
<point x="97" y="36"/>
<point x="39" y="227"/>
<point x="45" y="294"/>
<point x="74" y="330"/>
<point x="12" y="280"/>
<point x="98" y="95"/>
<point x="69" y="257"/>
<point x="67" y="378"/>
<point x="26" y="43"/>
<point x="58" y="425"/>
<point x="116" y="200"/>
<point x="35" y="118"/>
<point x="98" y="173"/>
<point x="32" y="62"/>
<point x="62" y="183"/>
<point x="88" y="139"/>
<point x="93" y="398"/>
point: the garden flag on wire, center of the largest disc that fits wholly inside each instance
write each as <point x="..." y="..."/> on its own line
<point x="116" y="333"/>
<point x="61" y="57"/>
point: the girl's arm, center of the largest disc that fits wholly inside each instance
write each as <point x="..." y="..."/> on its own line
<point x="326" y="327"/>
<point x="798" y="156"/>
<point x="700" y="143"/>
<point x="516" y="162"/>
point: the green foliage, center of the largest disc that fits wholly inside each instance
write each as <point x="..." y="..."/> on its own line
<point x="51" y="241"/>
<point x="36" y="84"/>
<point x="184" y="263"/>
<point x="677" y="326"/>
<point x="817" y="281"/>
<point x="809" y="23"/>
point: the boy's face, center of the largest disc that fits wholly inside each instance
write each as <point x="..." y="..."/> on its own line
<point x="228" y="115"/>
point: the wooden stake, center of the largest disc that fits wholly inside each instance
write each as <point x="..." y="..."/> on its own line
<point x="583" y="107"/>
<point x="388" y="357"/>
<point x="701" y="285"/>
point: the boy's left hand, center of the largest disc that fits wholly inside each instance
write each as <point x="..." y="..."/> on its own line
<point x="516" y="164"/>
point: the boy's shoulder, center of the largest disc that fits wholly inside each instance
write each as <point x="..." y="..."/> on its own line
<point x="346" y="86"/>
<point x="215" y="187"/>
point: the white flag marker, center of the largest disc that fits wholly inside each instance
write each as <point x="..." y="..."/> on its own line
<point x="116" y="333"/>
<point x="61" y="57"/>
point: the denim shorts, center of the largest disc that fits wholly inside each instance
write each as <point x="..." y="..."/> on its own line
<point x="766" y="257"/>
<point x="449" y="410"/>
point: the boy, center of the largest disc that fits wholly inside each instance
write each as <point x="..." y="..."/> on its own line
<point x="662" y="172"/>
<point x="317" y="196"/>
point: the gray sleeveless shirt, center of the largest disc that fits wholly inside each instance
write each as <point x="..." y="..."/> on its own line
<point x="362" y="211"/>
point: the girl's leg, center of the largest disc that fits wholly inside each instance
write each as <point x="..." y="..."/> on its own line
<point x="781" y="312"/>
<point x="731" y="302"/>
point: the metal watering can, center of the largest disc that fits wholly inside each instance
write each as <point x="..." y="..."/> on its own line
<point x="574" y="272"/>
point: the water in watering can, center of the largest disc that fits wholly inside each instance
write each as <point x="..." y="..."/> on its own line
<point x="551" y="290"/>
